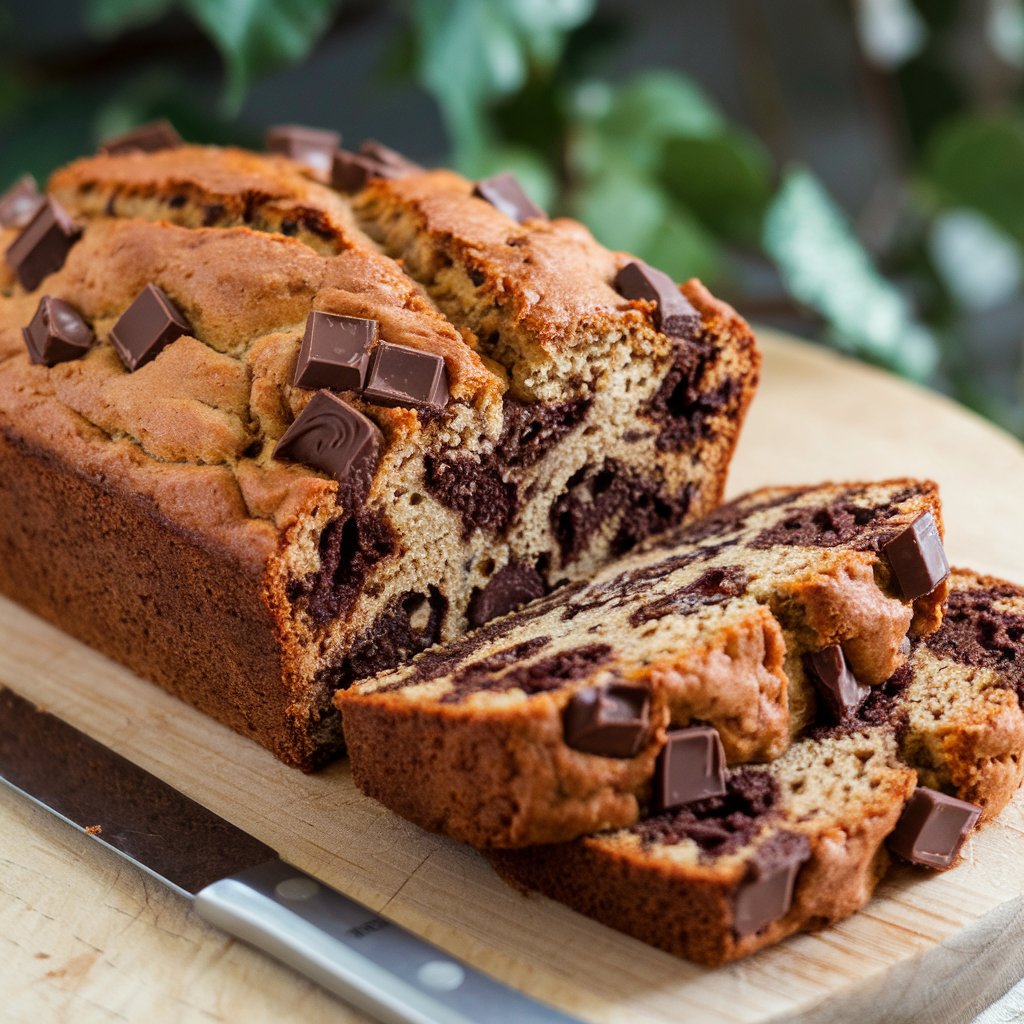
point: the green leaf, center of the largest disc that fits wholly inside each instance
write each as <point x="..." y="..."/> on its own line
<point x="110" y="17"/>
<point x="256" y="36"/>
<point x="660" y="104"/>
<point x="725" y="179"/>
<point x="824" y="266"/>
<point x="979" y="162"/>
<point x="629" y="211"/>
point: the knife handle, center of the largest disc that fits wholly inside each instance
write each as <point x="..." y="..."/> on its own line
<point x="370" y="962"/>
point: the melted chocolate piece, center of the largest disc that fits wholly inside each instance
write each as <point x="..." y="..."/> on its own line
<point x="691" y="766"/>
<point x="351" y="171"/>
<point x="20" y="203"/>
<point x="611" y="721"/>
<point x="539" y="676"/>
<point x="147" y="327"/>
<point x="595" y="494"/>
<point x="839" y="694"/>
<point x="475" y="489"/>
<point x="335" y="351"/>
<point x="43" y="244"/>
<point x="719" y="824"/>
<point x="405" y="376"/>
<point x="917" y="558"/>
<point x="331" y="436"/>
<point x="57" y="333"/>
<point x="504" y="193"/>
<point x="716" y="586"/>
<point x="393" y="639"/>
<point x="673" y="313"/>
<point x="766" y="893"/>
<point x="828" y="526"/>
<point x="349" y="549"/>
<point x="147" y="138"/>
<point x="509" y="587"/>
<point x="932" y="828"/>
<point x="974" y="632"/>
<point x="531" y="429"/>
<point x="684" y="406"/>
<point x="313" y="147"/>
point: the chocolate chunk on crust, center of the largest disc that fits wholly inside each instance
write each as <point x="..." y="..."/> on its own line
<point x="932" y="828"/>
<point x="147" y="327"/>
<point x="43" y="245"/>
<point x="57" y="333"/>
<point x="331" y="436"/>
<point x="314" y="147"/>
<point x="611" y="720"/>
<point x="673" y="313"/>
<point x="147" y="138"/>
<point x="917" y="557"/>
<point x="20" y="203"/>
<point x="335" y="351"/>
<point x="504" y="193"/>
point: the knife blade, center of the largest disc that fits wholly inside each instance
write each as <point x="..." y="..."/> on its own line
<point x="240" y="885"/>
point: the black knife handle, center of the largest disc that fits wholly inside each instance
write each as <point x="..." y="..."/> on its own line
<point x="370" y="962"/>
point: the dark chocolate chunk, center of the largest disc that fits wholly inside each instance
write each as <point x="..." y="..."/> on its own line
<point x="932" y="828"/>
<point x="147" y="327"/>
<point x="351" y="171"/>
<point x="504" y="193"/>
<point x="839" y="693"/>
<point x="43" y="245"/>
<point x="57" y="333"/>
<point x="508" y="588"/>
<point x="766" y="893"/>
<point x="314" y="147"/>
<point x="20" y="203"/>
<point x="335" y="351"/>
<point x="147" y="138"/>
<point x="691" y="766"/>
<point x="406" y="376"/>
<point x="917" y="557"/>
<point x="673" y="314"/>
<point x="338" y="440"/>
<point x="611" y="720"/>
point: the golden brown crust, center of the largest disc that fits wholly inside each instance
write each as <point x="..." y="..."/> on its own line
<point x="247" y="245"/>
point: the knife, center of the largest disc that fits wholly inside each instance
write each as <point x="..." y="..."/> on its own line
<point x="240" y="885"/>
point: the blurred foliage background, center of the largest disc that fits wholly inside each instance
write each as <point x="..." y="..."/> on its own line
<point x="850" y="169"/>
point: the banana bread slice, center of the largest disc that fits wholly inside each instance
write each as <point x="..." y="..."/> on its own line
<point x="687" y="880"/>
<point x="546" y="724"/>
<point x="200" y="500"/>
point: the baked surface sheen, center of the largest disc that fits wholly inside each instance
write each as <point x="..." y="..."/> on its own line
<point x="144" y="512"/>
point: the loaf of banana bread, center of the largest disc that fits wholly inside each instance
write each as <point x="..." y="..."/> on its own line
<point x="801" y="843"/>
<point x="547" y="724"/>
<point x="254" y="449"/>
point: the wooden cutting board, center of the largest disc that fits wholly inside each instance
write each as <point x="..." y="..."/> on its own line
<point x="84" y="936"/>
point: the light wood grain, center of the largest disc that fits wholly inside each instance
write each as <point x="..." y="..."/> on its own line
<point x="85" y="937"/>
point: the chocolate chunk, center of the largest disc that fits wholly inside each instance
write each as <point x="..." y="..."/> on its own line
<point x="147" y="138"/>
<point x="57" y="333"/>
<point x="406" y="376"/>
<point x="611" y="720"/>
<point x="917" y="558"/>
<point x="766" y="893"/>
<point x="673" y="314"/>
<point x="839" y="693"/>
<point x="20" y="203"/>
<point x="504" y="193"/>
<point x="314" y="147"/>
<point x="338" y="440"/>
<point x="691" y="766"/>
<point x="335" y="351"/>
<point x="43" y="245"/>
<point x="508" y="588"/>
<point x="147" y="327"/>
<point x="351" y="171"/>
<point x="932" y="828"/>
